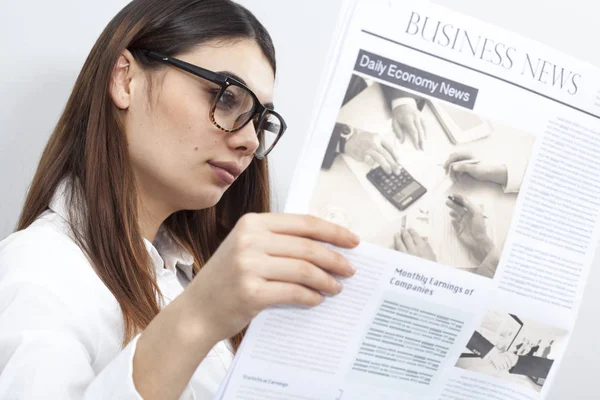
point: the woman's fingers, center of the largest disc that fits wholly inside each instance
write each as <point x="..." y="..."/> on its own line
<point x="302" y="273"/>
<point x="307" y="226"/>
<point x="275" y="293"/>
<point x="309" y="251"/>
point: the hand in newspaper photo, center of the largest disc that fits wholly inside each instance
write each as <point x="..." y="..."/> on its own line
<point x="370" y="148"/>
<point x="410" y="242"/>
<point x="501" y="360"/>
<point x="470" y="227"/>
<point x="469" y="223"/>
<point x="463" y="164"/>
<point x="408" y="121"/>
<point x="512" y="348"/>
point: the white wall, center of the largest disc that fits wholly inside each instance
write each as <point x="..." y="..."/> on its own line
<point x="44" y="43"/>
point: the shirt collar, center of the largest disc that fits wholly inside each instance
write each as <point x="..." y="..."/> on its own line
<point x="164" y="251"/>
<point x="173" y="254"/>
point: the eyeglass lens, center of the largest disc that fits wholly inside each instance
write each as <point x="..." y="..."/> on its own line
<point x="268" y="131"/>
<point x="235" y="107"/>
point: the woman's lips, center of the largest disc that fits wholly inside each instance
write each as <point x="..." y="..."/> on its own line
<point x="226" y="171"/>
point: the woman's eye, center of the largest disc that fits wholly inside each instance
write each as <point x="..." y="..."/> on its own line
<point x="227" y="100"/>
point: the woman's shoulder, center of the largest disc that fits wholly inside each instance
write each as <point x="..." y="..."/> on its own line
<point x="44" y="245"/>
<point x="51" y="295"/>
<point x="45" y="255"/>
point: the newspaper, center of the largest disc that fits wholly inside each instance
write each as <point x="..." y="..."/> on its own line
<point x="467" y="159"/>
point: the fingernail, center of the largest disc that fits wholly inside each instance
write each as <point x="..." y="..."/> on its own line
<point x="355" y="237"/>
<point x="338" y="287"/>
<point x="351" y="269"/>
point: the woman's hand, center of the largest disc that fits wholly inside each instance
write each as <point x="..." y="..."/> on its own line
<point x="368" y="147"/>
<point x="462" y="164"/>
<point x="267" y="259"/>
<point x="410" y="242"/>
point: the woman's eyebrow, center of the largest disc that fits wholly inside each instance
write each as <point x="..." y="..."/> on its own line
<point x="232" y="75"/>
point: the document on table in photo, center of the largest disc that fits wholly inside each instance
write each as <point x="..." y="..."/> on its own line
<point x="436" y="224"/>
<point x="460" y="126"/>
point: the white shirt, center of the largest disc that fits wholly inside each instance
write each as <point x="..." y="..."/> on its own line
<point x="516" y="166"/>
<point x="61" y="329"/>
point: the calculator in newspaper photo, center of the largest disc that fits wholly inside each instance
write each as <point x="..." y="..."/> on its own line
<point x="401" y="190"/>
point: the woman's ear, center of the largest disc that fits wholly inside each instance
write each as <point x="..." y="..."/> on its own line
<point x="120" y="87"/>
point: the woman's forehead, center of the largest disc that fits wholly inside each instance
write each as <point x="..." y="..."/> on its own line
<point x="242" y="58"/>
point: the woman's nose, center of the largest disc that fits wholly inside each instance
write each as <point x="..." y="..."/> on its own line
<point x="245" y="140"/>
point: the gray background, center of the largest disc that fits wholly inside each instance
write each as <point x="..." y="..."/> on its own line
<point x="43" y="45"/>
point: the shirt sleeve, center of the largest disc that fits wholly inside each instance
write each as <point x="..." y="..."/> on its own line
<point x="402" y="101"/>
<point x="516" y="167"/>
<point x="396" y="97"/>
<point x="332" y="148"/>
<point x="43" y="357"/>
<point x="489" y="264"/>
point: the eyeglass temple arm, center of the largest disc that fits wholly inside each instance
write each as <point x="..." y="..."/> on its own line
<point x="194" y="69"/>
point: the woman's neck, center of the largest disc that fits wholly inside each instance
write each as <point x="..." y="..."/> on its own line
<point x="150" y="217"/>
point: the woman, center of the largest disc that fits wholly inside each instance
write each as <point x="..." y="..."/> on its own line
<point x="145" y="247"/>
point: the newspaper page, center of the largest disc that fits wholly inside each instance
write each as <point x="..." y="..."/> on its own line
<point x="467" y="159"/>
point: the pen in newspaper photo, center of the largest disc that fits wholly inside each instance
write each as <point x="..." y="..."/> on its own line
<point x="458" y="201"/>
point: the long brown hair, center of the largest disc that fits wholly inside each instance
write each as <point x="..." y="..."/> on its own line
<point x="88" y="145"/>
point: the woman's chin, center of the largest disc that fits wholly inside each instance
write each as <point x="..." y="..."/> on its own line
<point x="206" y="199"/>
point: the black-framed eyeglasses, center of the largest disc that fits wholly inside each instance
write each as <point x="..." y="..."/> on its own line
<point x="235" y="105"/>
